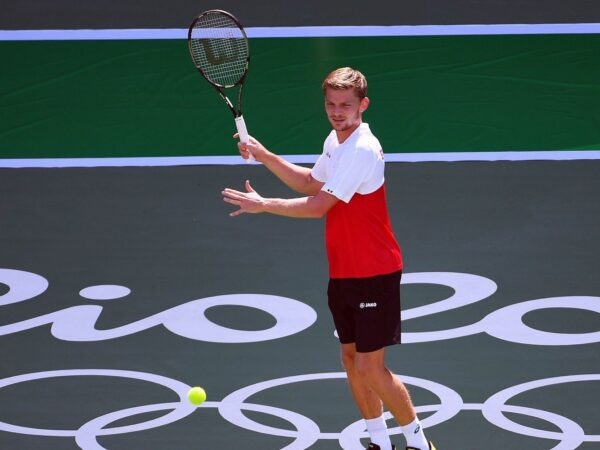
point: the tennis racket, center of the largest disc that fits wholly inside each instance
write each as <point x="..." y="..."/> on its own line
<point x="219" y="49"/>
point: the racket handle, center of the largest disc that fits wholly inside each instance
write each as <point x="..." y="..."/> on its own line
<point x="243" y="133"/>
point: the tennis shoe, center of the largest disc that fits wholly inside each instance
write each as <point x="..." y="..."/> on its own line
<point x="431" y="447"/>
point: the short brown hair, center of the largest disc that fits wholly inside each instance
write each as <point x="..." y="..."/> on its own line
<point x="346" y="78"/>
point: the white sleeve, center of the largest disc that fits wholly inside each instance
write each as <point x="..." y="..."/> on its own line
<point x="353" y="170"/>
<point x="318" y="171"/>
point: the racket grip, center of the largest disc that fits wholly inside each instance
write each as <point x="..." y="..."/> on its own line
<point x="243" y="134"/>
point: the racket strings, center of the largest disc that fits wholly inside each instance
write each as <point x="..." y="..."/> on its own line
<point x="219" y="49"/>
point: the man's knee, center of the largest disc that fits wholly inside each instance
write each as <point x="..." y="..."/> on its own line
<point x="367" y="366"/>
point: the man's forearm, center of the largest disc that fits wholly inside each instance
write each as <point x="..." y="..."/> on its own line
<point x="304" y="207"/>
<point x="292" y="175"/>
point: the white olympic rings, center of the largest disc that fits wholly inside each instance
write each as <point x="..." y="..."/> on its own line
<point x="307" y="431"/>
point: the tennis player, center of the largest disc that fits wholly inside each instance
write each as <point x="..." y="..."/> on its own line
<point x="346" y="185"/>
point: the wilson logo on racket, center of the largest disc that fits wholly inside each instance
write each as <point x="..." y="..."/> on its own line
<point x="222" y="57"/>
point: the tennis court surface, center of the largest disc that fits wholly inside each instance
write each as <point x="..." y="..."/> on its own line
<point x="120" y="287"/>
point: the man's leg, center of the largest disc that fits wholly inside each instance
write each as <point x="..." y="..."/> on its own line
<point x="369" y="404"/>
<point x="372" y="383"/>
<point x="370" y="370"/>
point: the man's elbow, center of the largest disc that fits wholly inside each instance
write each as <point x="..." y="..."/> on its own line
<point x="319" y="214"/>
<point x="320" y="204"/>
<point x="320" y="210"/>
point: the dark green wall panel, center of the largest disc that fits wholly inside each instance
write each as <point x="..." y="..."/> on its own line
<point x="144" y="98"/>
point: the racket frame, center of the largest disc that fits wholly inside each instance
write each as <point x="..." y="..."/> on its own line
<point x="220" y="88"/>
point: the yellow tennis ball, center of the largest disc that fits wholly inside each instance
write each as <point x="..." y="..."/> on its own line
<point x="196" y="395"/>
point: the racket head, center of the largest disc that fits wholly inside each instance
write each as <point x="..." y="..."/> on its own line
<point x="219" y="48"/>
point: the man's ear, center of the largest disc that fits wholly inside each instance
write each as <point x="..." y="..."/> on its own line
<point x="364" y="104"/>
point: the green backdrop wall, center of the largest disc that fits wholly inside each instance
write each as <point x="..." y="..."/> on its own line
<point x="428" y="94"/>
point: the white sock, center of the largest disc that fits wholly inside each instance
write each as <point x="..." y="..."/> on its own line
<point x="413" y="432"/>
<point x="378" y="433"/>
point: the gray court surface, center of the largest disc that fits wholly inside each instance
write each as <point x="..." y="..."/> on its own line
<point x="122" y="287"/>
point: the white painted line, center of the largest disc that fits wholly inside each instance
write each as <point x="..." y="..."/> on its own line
<point x="298" y="159"/>
<point x="308" y="32"/>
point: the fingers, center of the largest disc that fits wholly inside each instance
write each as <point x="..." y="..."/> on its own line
<point x="243" y="149"/>
<point x="236" y="213"/>
<point x="234" y="198"/>
<point x="247" y="149"/>
<point x="231" y="195"/>
<point x="247" y="202"/>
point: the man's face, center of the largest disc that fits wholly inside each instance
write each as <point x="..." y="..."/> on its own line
<point x="344" y="110"/>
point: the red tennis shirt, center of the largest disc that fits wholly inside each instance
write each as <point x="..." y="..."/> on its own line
<point x="359" y="238"/>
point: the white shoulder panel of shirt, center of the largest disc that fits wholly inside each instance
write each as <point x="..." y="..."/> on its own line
<point x="355" y="166"/>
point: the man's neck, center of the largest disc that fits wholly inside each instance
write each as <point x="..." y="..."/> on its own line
<point x="345" y="134"/>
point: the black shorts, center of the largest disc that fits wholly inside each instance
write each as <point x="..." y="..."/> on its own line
<point x="366" y="311"/>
